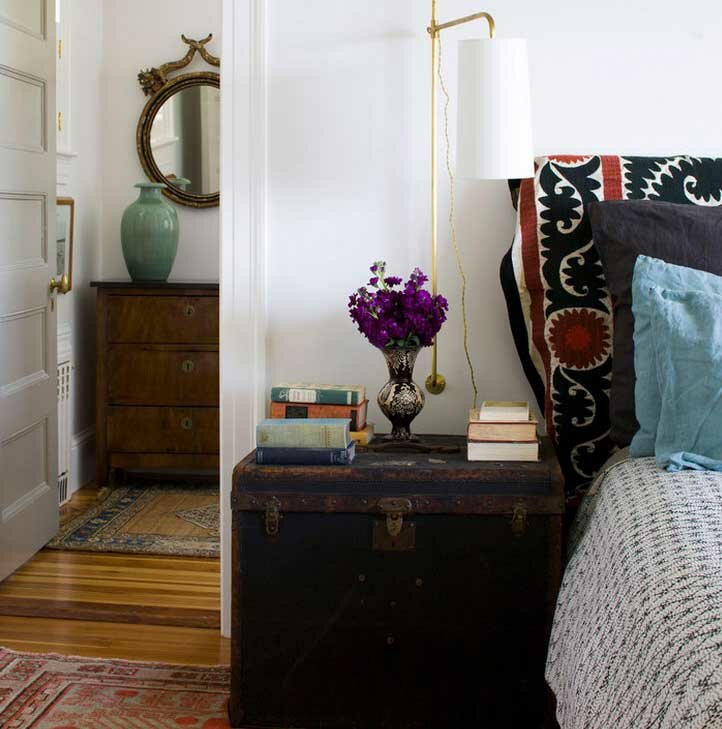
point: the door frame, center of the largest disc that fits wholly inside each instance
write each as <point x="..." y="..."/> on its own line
<point x="243" y="250"/>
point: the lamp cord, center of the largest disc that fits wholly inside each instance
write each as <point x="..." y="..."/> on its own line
<point x="452" y="225"/>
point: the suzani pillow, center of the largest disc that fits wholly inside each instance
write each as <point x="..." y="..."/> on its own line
<point x="559" y="306"/>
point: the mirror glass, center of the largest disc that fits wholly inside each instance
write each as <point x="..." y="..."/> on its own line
<point x="185" y="139"/>
<point x="64" y="212"/>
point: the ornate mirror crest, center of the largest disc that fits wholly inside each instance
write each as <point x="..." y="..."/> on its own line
<point x="178" y="136"/>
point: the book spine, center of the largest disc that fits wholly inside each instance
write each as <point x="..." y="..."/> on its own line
<point x="506" y="433"/>
<point x="303" y="434"/>
<point x="316" y="396"/>
<point x="305" y="456"/>
<point x="356" y="414"/>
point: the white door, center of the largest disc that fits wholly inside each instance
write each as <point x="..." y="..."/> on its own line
<point x="28" y="401"/>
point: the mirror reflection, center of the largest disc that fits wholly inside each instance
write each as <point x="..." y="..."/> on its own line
<point x="64" y="223"/>
<point x="185" y="139"/>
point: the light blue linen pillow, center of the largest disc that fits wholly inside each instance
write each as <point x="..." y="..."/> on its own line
<point x="650" y="273"/>
<point x="687" y="335"/>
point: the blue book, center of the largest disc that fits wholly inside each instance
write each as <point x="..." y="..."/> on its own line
<point x="306" y="456"/>
<point x="304" y="433"/>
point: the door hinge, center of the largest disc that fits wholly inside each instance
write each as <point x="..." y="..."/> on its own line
<point x="60" y="48"/>
<point x="60" y="121"/>
<point x="272" y="518"/>
<point x="519" y="520"/>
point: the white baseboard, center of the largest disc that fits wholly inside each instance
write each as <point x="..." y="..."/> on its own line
<point x="82" y="459"/>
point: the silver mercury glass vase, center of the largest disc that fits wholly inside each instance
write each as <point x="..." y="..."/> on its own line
<point x="401" y="399"/>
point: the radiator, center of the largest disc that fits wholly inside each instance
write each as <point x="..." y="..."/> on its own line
<point x="64" y="442"/>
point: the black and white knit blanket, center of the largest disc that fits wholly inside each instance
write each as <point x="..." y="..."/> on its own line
<point x="637" y="636"/>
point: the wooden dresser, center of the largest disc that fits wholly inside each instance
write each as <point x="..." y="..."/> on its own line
<point x="405" y="591"/>
<point x="157" y="377"/>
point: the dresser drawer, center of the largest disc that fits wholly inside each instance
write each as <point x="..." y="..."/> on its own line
<point x="163" y="430"/>
<point x="163" y="319"/>
<point x="161" y="376"/>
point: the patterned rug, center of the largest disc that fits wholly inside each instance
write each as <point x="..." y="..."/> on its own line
<point x="173" y="520"/>
<point x="46" y="691"/>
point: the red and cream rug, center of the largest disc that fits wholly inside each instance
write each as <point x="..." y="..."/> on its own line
<point x="46" y="691"/>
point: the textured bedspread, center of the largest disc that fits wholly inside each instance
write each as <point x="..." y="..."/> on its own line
<point x="637" y="637"/>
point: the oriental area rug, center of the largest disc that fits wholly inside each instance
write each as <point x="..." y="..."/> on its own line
<point x="175" y="520"/>
<point x="47" y="691"/>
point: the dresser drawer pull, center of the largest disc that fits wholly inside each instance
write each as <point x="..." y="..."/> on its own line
<point x="188" y="365"/>
<point x="189" y="310"/>
<point x="187" y="424"/>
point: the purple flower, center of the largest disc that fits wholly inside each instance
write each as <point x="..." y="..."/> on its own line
<point x="389" y="318"/>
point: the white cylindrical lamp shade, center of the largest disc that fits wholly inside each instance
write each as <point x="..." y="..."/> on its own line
<point x="494" y="139"/>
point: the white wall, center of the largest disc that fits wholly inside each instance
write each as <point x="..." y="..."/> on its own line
<point x="81" y="182"/>
<point x="348" y="161"/>
<point x="141" y="34"/>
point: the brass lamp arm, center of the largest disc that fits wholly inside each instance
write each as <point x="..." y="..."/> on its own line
<point x="435" y="382"/>
<point x="435" y="28"/>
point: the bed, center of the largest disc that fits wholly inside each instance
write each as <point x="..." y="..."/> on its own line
<point x="637" y="635"/>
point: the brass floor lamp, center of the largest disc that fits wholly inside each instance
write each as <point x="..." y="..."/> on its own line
<point x="494" y="138"/>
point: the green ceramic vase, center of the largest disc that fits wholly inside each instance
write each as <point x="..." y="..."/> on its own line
<point x="149" y="234"/>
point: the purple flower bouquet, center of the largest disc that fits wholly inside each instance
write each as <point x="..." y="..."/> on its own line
<point x="397" y="317"/>
<point x="399" y="321"/>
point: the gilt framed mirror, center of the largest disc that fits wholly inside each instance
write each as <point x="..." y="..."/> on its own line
<point x="178" y="136"/>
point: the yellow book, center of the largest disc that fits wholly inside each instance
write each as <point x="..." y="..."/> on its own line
<point x="365" y="436"/>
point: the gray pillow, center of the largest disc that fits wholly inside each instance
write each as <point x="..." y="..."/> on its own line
<point x="685" y="235"/>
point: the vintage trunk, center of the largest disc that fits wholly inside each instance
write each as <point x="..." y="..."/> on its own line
<point x="404" y="591"/>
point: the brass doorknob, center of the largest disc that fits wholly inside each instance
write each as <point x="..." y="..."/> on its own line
<point x="62" y="285"/>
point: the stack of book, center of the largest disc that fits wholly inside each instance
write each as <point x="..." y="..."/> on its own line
<point x="304" y="442"/>
<point x="502" y="431"/>
<point x="307" y="400"/>
<point x="313" y="425"/>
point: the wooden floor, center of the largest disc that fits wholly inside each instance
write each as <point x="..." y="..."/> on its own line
<point x="138" y="607"/>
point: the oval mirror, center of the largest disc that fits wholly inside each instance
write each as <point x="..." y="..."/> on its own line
<point x="179" y="138"/>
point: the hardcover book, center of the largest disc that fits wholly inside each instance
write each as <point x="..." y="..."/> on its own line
<point x="303" y="433"/>
<point x="365" y="436"/>
<point x="306" y="456"/>
<point x="500" y="431"/>
<point x="309" y="393"/>
<point x="501" y="411"/>
<point x="356" y="414"/>
<point x="490" y="451"/>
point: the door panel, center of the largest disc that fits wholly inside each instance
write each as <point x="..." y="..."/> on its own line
<point x="28" y="405"/>
<point x="22" y="125"/>
<point x="27" y="16"/>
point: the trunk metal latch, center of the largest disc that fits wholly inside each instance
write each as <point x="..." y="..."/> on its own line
<point x="394" y="534"/>
<point x="394" y="510"/>
<point x="272" y="517"/>
<point x="519" y="520"/>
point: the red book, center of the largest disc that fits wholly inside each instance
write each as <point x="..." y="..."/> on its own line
<point x="355" y="413"/>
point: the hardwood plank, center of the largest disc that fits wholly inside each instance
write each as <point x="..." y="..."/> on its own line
<point x="127" y="613"/>
<point x="167" y="644"/>
<point x="117" y="579"/>
<point x="111" y="605"/>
